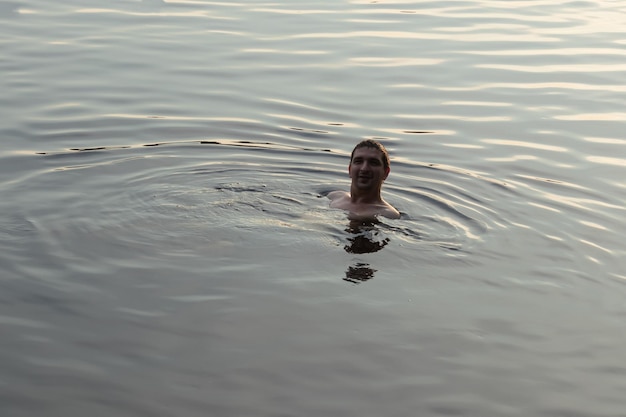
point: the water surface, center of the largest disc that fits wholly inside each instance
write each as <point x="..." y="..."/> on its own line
<point x="166" y="244"/>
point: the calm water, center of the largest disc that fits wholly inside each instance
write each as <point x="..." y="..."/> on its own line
<point x="167" y="249"/>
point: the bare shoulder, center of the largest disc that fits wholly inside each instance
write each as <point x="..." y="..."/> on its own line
<point x="339" y="199"/>
<point x="390" y="212"/>
<point x="335" y="195"/>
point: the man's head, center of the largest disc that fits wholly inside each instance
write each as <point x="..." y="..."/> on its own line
<point x="369" y="166"/>
<point x="371" y="143"/>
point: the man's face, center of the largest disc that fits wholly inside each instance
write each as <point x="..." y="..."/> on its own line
<point x="367" y="169"/>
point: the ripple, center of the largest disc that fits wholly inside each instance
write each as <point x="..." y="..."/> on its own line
<point x="21" y="322"/>
<point x="614" y="117"/>
<point x="521" y="144"/>
<point x="582" y="68"/>
<point x="534" y="86"/>
<point x="179" y="199"/>
<point x="607" y="161"/>
<point x="194" y="13"/>
<point x="394" y="62"/>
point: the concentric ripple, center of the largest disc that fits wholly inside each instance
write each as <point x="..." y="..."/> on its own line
<point x="213" y="198"/>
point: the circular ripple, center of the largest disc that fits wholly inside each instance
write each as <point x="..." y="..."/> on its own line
<point x="242" y="200"/>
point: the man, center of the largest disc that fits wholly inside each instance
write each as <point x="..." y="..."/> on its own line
<point x="369" y="167"/>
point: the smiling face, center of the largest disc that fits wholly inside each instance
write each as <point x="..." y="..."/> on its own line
<point x="367" y="168"/>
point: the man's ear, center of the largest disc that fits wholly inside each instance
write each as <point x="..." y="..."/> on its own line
<point x="387" y="170"/>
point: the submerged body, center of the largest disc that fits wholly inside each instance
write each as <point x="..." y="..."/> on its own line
<point x="368" y="169"/>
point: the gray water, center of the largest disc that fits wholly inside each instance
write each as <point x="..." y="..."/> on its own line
<point x="167" y="248"/>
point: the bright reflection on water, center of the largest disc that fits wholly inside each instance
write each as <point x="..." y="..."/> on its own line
<point x="166" y="246"/>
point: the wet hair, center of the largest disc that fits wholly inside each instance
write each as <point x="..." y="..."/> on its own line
<point x="371" y="143"/>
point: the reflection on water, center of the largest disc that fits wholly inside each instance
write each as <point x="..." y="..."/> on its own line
<point x="365" y="237"/>
<point x="358" y="273"/>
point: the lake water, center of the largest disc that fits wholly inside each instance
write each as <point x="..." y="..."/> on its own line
<point x="167" y="248"/>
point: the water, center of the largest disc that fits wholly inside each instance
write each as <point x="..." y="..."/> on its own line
<point x="167" y="249"/>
